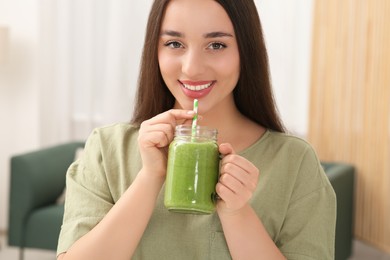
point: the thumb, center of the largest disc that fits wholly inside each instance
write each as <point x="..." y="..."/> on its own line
<point x="226" y="149"/>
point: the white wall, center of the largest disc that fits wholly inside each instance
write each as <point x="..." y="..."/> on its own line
<point x="19" y="91"/>
<point x="287" y="26"/>
<point x="288" y="31"/>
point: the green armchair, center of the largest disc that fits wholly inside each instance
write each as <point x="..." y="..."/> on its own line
<point x="342" y="178"/>
<point x="38" y="179"/>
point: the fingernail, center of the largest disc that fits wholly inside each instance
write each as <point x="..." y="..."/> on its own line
<point x="191" y="112"/>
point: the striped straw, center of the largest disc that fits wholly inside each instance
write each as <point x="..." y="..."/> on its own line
<point x="195" y="118"/>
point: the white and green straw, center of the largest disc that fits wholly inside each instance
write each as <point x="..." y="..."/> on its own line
<point x="195" y="118"/>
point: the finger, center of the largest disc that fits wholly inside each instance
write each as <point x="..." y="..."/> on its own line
<point x="240" y="162"/>
<point x="241" y="169"/>
<point x="172" y="117"/>
<point x="237" y="191"/>
<point x="237" y="172"/>
<point x="154" y="139"/>
<point x="224" y="192"/>
<point x="189" y="120"/>
<point x="230" y="197"/>
<point x="226" y="148"/>
<point x="231" y="183"/>
<point x="159" y="135"/>
<point x="167" y="129"/>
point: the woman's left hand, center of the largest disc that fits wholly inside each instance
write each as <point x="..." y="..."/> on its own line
<point x="237" y="182"/>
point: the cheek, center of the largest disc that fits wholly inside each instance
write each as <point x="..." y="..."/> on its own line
<point x="170" y="69"/>
<point x="229" y="71"/>
<point x="163" y="62"/>
<point x="229" y="65"/>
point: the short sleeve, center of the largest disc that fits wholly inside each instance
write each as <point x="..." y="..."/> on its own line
<point x="88" y="197"/>
<point x="308" y="231"/>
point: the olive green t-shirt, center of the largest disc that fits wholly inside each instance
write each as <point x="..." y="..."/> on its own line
<point x="294" y="199"/>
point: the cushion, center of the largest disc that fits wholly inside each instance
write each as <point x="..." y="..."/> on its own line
<point x="42" y="226"/>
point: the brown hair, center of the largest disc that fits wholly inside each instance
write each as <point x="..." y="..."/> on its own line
<point x="253" y="94"/>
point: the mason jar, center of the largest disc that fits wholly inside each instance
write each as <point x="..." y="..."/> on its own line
<point x="192" y="170"/>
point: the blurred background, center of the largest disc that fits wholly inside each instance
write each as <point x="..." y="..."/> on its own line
<point x="68" y="66"/>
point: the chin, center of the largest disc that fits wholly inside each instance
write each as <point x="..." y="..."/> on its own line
<point x="186" y="105"/>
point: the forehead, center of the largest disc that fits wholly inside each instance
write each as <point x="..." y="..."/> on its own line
<point x="196" y="15"/>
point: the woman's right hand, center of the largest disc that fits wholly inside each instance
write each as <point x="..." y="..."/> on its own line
<point x="126" y="221"/>
<point x="154" y="138"/>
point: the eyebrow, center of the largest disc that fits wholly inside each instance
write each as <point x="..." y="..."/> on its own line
<point x="206" y="35"/>
<point x="217" y="34"/>
<point x="172" y="33"/>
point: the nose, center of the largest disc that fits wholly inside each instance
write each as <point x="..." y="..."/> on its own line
<point x="193" y="64"/>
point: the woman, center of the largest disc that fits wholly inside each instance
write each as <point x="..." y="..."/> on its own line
<point x="275" y="200"/>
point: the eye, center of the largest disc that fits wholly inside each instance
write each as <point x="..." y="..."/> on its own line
<point x="173" y="44"/>
<point x="217" y="46"/>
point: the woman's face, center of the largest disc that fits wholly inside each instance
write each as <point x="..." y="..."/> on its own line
<point x="198" y="54"/>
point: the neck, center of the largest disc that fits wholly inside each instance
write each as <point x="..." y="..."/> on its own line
<point x="232" y="126"/>
<point x="222" y="117"/>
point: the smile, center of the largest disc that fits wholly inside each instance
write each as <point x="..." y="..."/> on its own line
<point x="197" y="87"/>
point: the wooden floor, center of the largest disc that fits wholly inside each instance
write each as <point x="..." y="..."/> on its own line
<point x="364" y="251"/>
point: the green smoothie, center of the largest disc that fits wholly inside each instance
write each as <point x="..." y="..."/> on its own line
<point x="192" y="173"/>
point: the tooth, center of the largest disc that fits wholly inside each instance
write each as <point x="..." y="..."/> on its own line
<point x="198" y="87"/>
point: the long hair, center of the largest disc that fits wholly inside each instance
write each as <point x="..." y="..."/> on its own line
<point x="253" y="93"/>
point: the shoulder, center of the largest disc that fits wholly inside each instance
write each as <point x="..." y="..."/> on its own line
<point x="114" y="133"/>
<point x="280" y="145"/>
<point x="290" y="159"/>
<point x="288" y="141"/>
<point x="302" y="158"/>
<point x="112" y="140"/>
<point x="295" y="149"/>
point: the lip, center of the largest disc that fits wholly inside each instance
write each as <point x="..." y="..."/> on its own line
<point x="196" y="93"/>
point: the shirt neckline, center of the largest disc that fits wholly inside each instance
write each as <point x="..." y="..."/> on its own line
<point x="256" y="143"/>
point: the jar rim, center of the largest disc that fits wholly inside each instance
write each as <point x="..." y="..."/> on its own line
<point x="200" y="131"/>
<point x="198" y="127"/>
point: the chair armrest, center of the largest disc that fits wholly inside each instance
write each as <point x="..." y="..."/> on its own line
<point x="37" y="179"/>
<point x="342" y="178"/>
